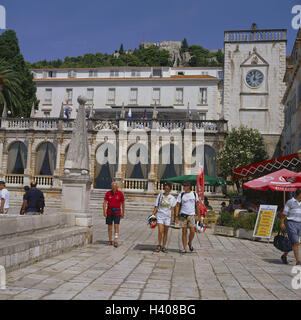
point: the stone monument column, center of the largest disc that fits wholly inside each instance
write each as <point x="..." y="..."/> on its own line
<point x="122" y="152"/>
<point x="76" y="179"/>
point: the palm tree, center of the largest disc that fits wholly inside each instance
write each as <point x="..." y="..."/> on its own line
<point x="10" y="89"/>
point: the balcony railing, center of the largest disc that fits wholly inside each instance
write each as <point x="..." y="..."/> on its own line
<point x="44" y="181"/>
<point x="135" y="184"/>
<point x="52" y="124"/>
<point x="255" y="35"/>
<point x="174" y="187"/>
<point x="14" y="179"/>
<point x="178" y="188"/>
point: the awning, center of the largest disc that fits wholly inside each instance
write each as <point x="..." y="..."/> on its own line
<point x="290" y="162"/>
<point x="212" y="181"/>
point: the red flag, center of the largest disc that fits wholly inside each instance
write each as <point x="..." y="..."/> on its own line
<point x="201" y="190"/>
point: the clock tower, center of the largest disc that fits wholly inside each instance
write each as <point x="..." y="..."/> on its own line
<point x="255" y="64"/>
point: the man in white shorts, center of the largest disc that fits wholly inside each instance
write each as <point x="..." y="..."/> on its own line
<point x="164" y="211"/>
<point x="188" y="205"/>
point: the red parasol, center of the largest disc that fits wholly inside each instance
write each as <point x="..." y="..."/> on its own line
<point x="281" y="180"/>
<point x="200" y="190"/>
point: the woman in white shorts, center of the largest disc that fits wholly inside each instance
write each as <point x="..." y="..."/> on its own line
<point x="164" y="211"/>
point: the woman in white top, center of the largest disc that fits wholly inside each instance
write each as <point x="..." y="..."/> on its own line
<point x="164" y="211"/>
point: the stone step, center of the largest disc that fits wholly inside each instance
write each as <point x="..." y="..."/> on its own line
<point x="26" y="239"/>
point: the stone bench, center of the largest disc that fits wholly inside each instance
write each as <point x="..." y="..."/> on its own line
<point x="28" y="239"/>
<point x="16" y="225"/>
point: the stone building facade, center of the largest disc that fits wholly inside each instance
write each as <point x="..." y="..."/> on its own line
<point x="36" y="149"/>
<point x="253" y="81"/>
<point x="291" y="136"/>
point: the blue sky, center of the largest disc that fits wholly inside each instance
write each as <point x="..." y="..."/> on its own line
<point x="51" y="29"/>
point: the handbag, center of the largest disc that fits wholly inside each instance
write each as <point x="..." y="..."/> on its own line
<point x="282" y="242"/>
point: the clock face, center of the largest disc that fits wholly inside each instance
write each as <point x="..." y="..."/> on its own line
<point x="254" y="78"/>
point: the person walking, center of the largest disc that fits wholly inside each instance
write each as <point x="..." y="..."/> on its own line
<point x="292" y="213"/>
<point x="33" y="201"/>
<point x="164" y="211"/>
<point x="4" y="196"/>
<point x="26" y="188"/>
<point x="113" y="210"/>
<point x="188" y="205"/>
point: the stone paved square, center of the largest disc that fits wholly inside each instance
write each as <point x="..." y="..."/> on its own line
<point x="222" y="268"/>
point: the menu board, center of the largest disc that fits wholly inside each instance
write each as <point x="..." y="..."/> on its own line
<point x="265" y="221"/>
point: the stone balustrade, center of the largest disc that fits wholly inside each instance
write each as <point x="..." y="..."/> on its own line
<point x="174" y="187"/>
<point x="44" y="181"/>
<point x="14" y="179"/>
<point x="255" y="35"/>
<point x="178" y="188"/>
<point x="135" y="184"/>
<point x="53" y="124"/>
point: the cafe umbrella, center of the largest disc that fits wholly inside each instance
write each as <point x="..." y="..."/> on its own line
<point x="212" y="181"/>
<point x="281" y="180"/>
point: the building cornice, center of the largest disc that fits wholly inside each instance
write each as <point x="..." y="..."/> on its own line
<point x="172" y="78"/>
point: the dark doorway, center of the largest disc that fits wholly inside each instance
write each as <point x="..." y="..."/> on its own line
<point x="104" y="179"/>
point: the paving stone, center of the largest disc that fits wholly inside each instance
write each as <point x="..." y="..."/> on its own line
<point x="49" y="284"/>
<point x="93" y="295"/>
<point x="60" y="296"/>
<point x="154" y="296"/>
<point x="30" y="294"/>
<point x="221" y="268"/>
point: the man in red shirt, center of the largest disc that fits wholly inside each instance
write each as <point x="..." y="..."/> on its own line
<point x="113" y="210"/>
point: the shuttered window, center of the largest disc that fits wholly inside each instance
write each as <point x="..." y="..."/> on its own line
<point x="48" y="96"/>
<point x="111" y="95"/>
<point x="90" y="95"/>
<point x="134" y="96"/>
<point x="179" y="96"/>
<point x="203" y="95"/>
<point x="156" y="95"/>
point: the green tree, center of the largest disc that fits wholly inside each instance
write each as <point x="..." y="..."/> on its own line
<point x="121" y="50"/>
<point x="10" y="53"/>
<point x="10" y="90"/>
<point x="185" y="46"/>
<point x="220" y="57"/>
<point x="153" y="56"/>
<point x="243" y="146"/>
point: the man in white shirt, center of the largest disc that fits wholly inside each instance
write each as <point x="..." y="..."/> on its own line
<point x="188" y="201"/>
<point x="164" y="211"/>
<point x="4" y="196"/>
<point x="292" y="214"/>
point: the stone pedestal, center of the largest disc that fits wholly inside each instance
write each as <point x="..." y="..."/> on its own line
<point x="27" y="179"/>
<point x="75" y="198"/>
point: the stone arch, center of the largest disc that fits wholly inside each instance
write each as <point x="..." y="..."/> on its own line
<point x="45" y="159"/>
<point x="137" y="161"/>
<point x="209" y="161"/>
<point x="168" y="167"/>
<point x="197" y="158"/>
<point x="105" y="165"/>
<point x="66" y="149"/>
<point x="16" y="157"/>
